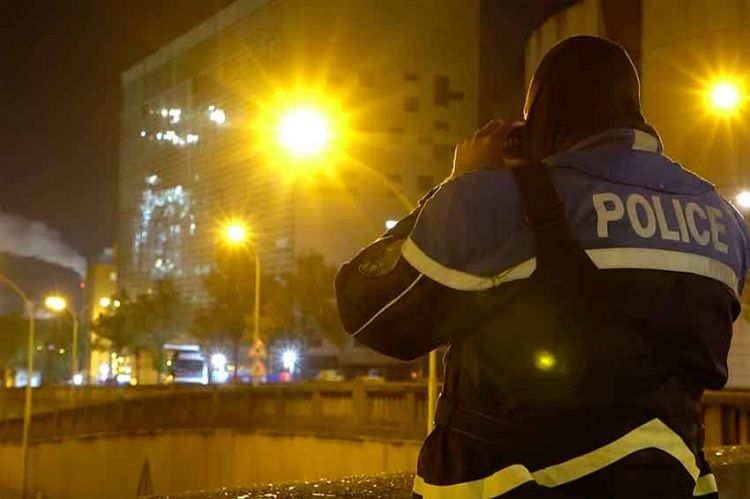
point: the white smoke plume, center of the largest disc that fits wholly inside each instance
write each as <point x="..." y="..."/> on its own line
<point x="26" y="238"/>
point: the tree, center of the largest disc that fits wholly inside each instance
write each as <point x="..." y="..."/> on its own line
<point x="309" y="298"/>
<point x="298" y="305"/>
<point x="113" y="324"/>
<point x="145" y="323"/>
<point x="161" y="314"/>
<point x="14" y="332"/>
<point x="223" y="321"/>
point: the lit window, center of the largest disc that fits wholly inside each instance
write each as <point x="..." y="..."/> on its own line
<point x="217" y="115"/>
<point x="175" y="115"/>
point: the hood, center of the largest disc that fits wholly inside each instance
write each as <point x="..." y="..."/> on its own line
<point x="583" y="86"/>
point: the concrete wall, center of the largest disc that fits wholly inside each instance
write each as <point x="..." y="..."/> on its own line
<point x="236" y="436"/>
<point x="739" y="355"/>
<point x="195" y="460"/>
<point x="51" y="398"/>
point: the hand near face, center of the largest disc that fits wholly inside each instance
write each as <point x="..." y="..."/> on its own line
<point x="483" y="150"/>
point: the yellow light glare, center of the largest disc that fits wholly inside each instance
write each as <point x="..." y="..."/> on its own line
<point x="304" y="131"/>
<point x="235" y="232"/>
<point x="105" y="302"/>
<point x="725" y="96"/>
<point x="56" y="303"/>
<point x="743" y="199"/>
<point x="544" y="360"/>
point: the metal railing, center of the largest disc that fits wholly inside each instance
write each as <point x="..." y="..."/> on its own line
<point x="726" y="417"/>
<point x="378" y="410"/>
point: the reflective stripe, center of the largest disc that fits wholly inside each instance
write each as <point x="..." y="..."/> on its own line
<point x="643" y="141"/>
<point x="604" y="258"/>
<point x="705" y="484"/>
<point x="651" y="435"/>
<point x="497" y="484"/>
<point x="388" y="305"/>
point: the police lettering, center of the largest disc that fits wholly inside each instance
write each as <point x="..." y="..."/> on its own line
<point x="648" y="216"/>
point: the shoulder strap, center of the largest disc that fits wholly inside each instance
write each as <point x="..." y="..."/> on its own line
<point x="559" y="257"/>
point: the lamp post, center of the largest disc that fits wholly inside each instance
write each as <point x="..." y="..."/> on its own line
<point x="236" y="234"/>
<point x="724" y="96"/>
<point x="57" y="303"/>
<point x="29" y="306"/>
<point x="305" y="132"/>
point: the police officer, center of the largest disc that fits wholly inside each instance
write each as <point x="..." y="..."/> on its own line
<point x="587" y="296"/>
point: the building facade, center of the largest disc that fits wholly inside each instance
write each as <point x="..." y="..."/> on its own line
<point x="196" y="137"/>
<point x="101" y="287"/>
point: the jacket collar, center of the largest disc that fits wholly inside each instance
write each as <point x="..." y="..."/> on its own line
<point x="634" y="139"/>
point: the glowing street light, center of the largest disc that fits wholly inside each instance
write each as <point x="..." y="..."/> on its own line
<point x="219" y="361"/>
<point x="304" y="131"/>
<point x="724" y="96"/>
<point x="57" y="303"/>
<point x="235" y="232"/>
<point x="105" y="301"/>
<point x="743" y="199"/>
<point x="289" y="359"/>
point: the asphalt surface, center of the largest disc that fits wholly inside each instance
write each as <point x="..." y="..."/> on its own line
<point x="391" y="486"/>
<point x="731" y="464"/>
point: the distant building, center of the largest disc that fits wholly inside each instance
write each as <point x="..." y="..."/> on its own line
<point x="414" y="76"/>
<point x="101" y="287"/>
<point x="192" y="150"/>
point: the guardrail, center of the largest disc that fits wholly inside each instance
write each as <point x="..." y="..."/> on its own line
<point x="726" y="417"/>
<point x="50" y="398"/>
<point x="359" y="409"/>
<point x="379" y="410"/>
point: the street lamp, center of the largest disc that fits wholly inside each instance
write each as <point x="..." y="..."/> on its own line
<point x="743" y="199"/>
<point x="289" y="359"/>
<point x="29" y="306"/>
<point x="57" y="303"/>
<point x="236" y="234"/>
<point x="304" y="131"/>
<point x="306" y="124"/>
<point x="724" y="96"/>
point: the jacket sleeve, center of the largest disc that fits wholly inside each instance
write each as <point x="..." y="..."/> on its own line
<point x="385" y="303"/>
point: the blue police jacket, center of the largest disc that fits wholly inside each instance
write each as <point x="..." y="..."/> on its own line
<point x="457" y="271"/>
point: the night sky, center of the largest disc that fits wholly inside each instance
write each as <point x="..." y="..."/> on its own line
<point x="59" y="91"/>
